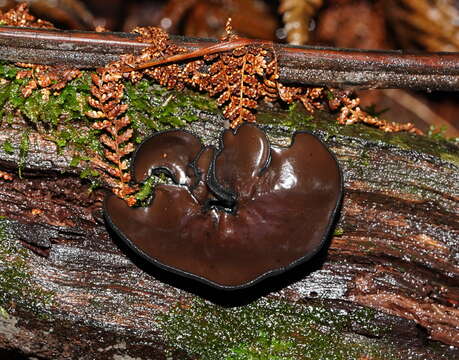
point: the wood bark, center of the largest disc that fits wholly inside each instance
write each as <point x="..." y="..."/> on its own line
<point x="396" y="251"/>
<point x="303" y="65"/>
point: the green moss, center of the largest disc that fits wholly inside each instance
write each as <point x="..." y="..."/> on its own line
<point x="24" y="146"/>
<point x="296" y="118"/>
<point x="330" y="95"/>
<point x="263" y="347"/>
<point x="365" y="158"/>
<point x="4" y="96"/>
<point x="152" y="107"/>
<point x="80" y="139"/>
<point x="8" y="147"/>
<point x="144" y="194"/>
<point x="17" y="287"/>
<point x="91" y="175"/>
<point x="63" y="115"/>
<point x="75" y="161"/>
<point x="3" y="313"/>
<point x="8" y="71"/>
<point x="269" y="329"/>
<point x="146" y="190"/>
<point x="42" y="106"/>
<point x="439" y="134"/>
<point x="74" y="98"/>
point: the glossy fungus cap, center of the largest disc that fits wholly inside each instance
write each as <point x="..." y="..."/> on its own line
<point x="234" y="215"/>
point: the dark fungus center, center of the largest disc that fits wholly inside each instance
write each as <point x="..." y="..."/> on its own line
<point x="236" y="214"/>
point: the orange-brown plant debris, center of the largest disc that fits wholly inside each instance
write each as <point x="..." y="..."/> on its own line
<point x="237" y="71"/>
<point x="241" y="72"/>
<point x="53" y="78"/>
<point x="238" y="75"/>
<point x="21" y="17"/>
<point x="6" y="176"/>
<point x="351" y="113"/>
<point x="107" y="93"/>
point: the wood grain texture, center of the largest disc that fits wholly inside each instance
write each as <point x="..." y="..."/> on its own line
<point x="397" y="251"/>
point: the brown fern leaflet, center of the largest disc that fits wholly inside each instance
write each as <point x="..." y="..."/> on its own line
<point x="107" y="93"/>
<point x="237" y="81"/>
<point x="53" y="78"/>
<point x="240" y="71"/>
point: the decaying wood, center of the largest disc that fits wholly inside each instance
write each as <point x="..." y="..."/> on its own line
<point x="398" y="254"/>
<point x="303" y="65"/>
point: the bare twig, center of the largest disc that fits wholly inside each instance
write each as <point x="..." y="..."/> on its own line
<point x="301" y="65"/>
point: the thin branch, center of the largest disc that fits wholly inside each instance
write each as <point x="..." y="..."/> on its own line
<point x="303" y="65"/>
<point x="58" y="47"/>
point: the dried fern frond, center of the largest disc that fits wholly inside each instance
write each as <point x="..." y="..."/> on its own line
<point x="432" y="25"/>
<point x="351" y="113"/>
<point x="311" y="98"/>
<point x="53" y="78"/>
<point x="240" y="73"/>
<point x="170" y="76"/>
<point x="237" y="80"/>
<point x="20" y="16"/>
<point x="297" y="15"/>
<point x="107" y="93"/>
<point x="236" y="77"/>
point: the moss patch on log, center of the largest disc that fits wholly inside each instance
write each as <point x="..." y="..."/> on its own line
<point x="62" y="116"/>
<point x="17" y="287"/>
<point x="296" y="118"/>
<point x="272" y="329"/>
<point x="154" y="108"/>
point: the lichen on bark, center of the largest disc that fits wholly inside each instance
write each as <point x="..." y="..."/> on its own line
<point x="18" y="288"/>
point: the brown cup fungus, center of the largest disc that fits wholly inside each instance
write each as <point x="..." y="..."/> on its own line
<point x="234" y="215"/>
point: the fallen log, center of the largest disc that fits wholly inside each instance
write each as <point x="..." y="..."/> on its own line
<point x="385" y="287"/>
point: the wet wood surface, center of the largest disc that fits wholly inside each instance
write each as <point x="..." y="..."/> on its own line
<point x="395" y="250"/>
<point x="305" y="65"/>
